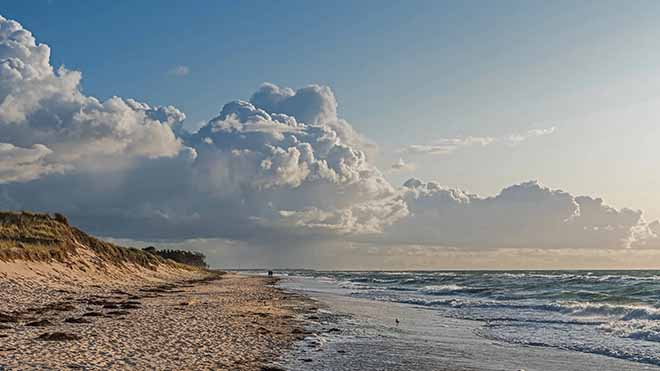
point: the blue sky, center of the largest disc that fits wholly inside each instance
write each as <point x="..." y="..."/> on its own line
<point x="562" y="92"/>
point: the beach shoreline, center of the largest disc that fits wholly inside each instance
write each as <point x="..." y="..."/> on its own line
<point x="199" y="321"/>
<point x="368" y="337"/>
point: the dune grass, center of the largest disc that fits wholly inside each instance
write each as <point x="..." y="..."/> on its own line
<point x="44" y="237"/>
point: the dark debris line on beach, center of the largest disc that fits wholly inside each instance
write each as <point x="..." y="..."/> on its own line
<point x="120" y="304"/>
<point x="58" y="336"/>
<point x="85" y="311"/>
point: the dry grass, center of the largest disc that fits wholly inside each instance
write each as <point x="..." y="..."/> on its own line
<point x="42" y="237"/>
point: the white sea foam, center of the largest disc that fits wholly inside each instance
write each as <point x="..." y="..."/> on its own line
<point x="648" y="330"/>
<point x="435" y="289"/>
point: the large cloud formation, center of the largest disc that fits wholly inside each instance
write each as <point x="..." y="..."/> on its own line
<point x="282" y="166"/>
<point x="527" y="215"/>
<point x="51" y="126"/>
<point x="282" y="161"/>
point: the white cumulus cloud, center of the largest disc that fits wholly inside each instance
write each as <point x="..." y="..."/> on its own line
<point x="43" y="106"/>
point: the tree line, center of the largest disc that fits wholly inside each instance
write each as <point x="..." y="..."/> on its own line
<point x="193" y="258"/>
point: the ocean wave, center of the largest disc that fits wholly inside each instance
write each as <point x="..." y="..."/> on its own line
<point x="419" y="280"/>
<point x="599" y="311"/>
<point x="646" y="335"/>
<point x="634" y="354"/>
<point x="383" y="295"/>
<point x="401" y="288"/>
<point x="507" y="321"/>
<point x="326" y="278"/>
<point x="441" y="289"/>
<point x="647" y="330"/>
<point x="582" y="294"/>
<point x="563" y="276"/>
<point x="576" y="309"/>
<point x="360" y="279"/>
<point x="610" y="313"/>
<point x="356" y="285"/>
<point x="554" y="276"/>
<point x="623" y="312"/>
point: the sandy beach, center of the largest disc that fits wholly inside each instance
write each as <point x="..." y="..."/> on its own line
<point x="193" y="320"/>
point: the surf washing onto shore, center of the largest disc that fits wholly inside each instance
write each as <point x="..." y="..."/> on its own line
<point x="615" y="314"/>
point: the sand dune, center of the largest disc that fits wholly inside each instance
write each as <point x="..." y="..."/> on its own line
<point x="91" y="309"/>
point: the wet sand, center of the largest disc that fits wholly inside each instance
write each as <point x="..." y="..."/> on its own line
<point x="200" y="322"/>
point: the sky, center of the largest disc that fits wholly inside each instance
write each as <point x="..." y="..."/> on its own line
<point x="426" y="134"/>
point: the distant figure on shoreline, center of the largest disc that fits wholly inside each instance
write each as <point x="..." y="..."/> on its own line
<point x="396" y="320"/>
<point x="270" y="273"/>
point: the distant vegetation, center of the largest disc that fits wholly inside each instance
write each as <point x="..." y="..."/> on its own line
<point x="42" y="237"/>
<point x="196" y="259"/>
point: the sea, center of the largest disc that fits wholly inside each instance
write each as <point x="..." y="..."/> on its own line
<point x="473" y="320"/>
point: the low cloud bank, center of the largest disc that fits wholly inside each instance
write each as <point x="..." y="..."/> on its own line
<point x="527" y="215"/>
